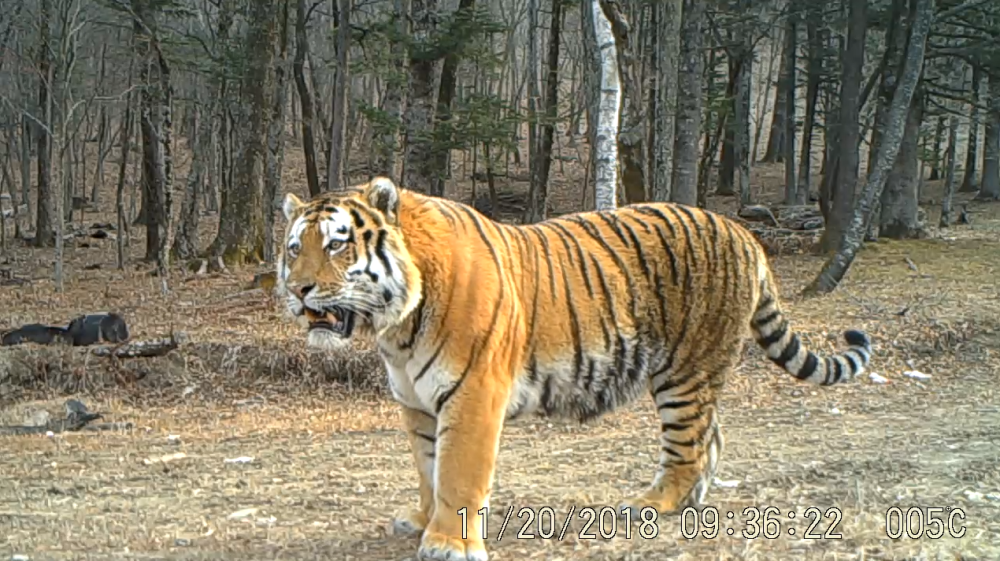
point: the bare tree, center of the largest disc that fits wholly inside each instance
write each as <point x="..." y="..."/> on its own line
<point x="969" y="183"/>
<point x="949" y="182"/>
<point x="305" y="98"/>
<point x="838" y="264"/>
<point x="609" y="104"/>
<point x="43" y="221"/>
<point x="537" y="206"/>
<point x="787" y="143"/>
<point x="814" y="68"/>
<point x="241" y="224"/>
<point x="419" y="112"/>
<point x="684" y="183"/>
<point x="668" y="18"/>
<point x="840" y="198"/>
<point x="631" y="116"/>
<point x="990" y="190"/>
<point x="338" y="134"/>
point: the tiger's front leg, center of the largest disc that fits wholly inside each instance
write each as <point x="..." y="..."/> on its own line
<point x="469" y="427"/>
<point x="421" y="429"/>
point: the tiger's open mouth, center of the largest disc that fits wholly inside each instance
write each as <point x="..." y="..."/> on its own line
<point x="337" y="320"/>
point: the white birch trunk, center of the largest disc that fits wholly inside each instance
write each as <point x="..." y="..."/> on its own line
<point x="609" y="105"/>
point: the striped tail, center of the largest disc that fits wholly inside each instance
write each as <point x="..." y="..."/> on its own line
<point x="783" y="347"/>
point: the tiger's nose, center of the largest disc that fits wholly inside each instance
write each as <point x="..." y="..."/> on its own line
<point x="302" y="290"/>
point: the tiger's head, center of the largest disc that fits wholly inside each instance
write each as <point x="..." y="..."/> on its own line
<point x="344" y="267"/>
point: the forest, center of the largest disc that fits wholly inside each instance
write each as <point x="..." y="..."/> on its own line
<point x="156" y="403"/>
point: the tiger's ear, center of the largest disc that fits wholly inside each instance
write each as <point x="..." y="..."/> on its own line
<point x="383" y="194"/>
<point x="291" y="205"/>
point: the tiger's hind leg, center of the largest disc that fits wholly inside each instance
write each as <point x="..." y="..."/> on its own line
<point x="421" y="429"/>
<point x="691" y="441"/>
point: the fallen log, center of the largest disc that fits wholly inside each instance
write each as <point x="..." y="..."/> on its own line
<point x="142" y="349"/>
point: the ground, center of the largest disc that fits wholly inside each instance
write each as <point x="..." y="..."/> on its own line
<point x="330" y="465"/>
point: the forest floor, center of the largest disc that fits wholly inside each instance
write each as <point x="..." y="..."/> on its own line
<point x="328" y="465"/>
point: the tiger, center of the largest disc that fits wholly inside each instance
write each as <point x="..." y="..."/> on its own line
<point x="479" y="323"/>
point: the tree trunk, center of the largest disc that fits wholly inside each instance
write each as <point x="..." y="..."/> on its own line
<point x="969" y="182"/>
<point x="534" y="96"/>
<point x="537" y="205"/>
<point x="336" y="179"/>
<point x="241" y="222"/>
<point x="126" y="140"/>
<point x="890" y="69"/>
<point x="838" y="264"/>
<point x="775" y="150"/>
<point x="951" y="157"/>
<point x="741" y="138"/>
<point x="631" y="119"/>
<point x="606" y="129"/>
<point x="592" y="94"/>
<point x="442" y="117"/>
<point x="936" y="149"/>
<point x="154" y="122"/>
<point x="848" y="129"/>
<point x="684" y="183"/>
<point x="386" y="160"/>
<point x="990" y="190"/>
<point x="814" y="71"/>
<point x="727" y="160"/>
<point x="668" y="19"/>
<point x="185" y="244"/>
<point x="788" y="142"/>
<point x="420" y="100"/>
<point x="305" y="99"/>
<point x="276" y="135"/>
<point x="898" y="214"/>
<point x="43" y="221"/>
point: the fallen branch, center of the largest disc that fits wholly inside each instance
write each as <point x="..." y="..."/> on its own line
<point x="72" y="422"/>
<point x="142" y="349"/>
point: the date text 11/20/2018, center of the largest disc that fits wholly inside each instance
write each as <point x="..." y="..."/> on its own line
<point x="544" y="523"/>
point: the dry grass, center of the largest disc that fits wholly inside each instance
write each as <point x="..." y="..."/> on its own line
<point x="330" y="465"/>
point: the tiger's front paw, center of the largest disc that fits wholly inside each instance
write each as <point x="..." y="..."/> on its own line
<point x="648" y="505"/>
<point x="409" y="523"/>
<point x="439" y="547"/>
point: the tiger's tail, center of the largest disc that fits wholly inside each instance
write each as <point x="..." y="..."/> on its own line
<point x="784" y="348"/>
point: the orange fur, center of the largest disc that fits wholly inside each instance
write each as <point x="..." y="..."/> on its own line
<point x="574" y="316"/>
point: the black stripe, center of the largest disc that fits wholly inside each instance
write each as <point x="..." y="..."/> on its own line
<point x="574" y="324"/>
<point x="567" y="235"/>
<point x="789" y="352"/>
<point x="447" y="212"/>
<point x="713" y="240"/>
<point x="675" y="405"/>
<point x="838" y="370"/>
<point x="854" y="364"/>
<point x="429" y="438"/>
<point x="358" y="221"/>
<point x="768" y="319"/>
<point x="548" y="259"/>
<point x="775" y="335"/>
<point x="474" y="355"/>
<point x="534" y="299"/>
<point x="650" y="211"/>
<point x="611" y="221"/>
<point x="683" y="443"/>
<point x="809" y="366"/>
<point x="430" y="361"/>
<point x="637" y="244"/>
<point x="664" y="427"/>
<point x="418" y="322"/>
<point x="592" y="231"/>
<point x="381" y="254"/>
